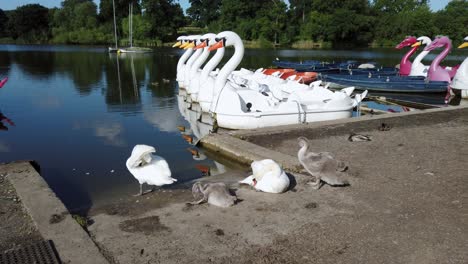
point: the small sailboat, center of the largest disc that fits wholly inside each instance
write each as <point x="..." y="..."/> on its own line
<point x="132" y="49"/>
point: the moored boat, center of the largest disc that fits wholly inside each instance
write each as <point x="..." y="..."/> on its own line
<point x="386" y="83"/>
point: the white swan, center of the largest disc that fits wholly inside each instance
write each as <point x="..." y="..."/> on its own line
<point x="267" y="176"/>
<point x="460" y="80"/>
<point x="148" y="168"/>
<point x="418" y="68"/>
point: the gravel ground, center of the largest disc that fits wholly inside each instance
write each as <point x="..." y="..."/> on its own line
<point x="407" y="203"/>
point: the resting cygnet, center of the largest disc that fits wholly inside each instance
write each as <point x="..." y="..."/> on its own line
<point x="214" y="193"/>
<point x="323" y="166"/>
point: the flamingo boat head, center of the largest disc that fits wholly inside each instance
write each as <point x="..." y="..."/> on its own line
<point x="408" y="41"/>
<point x="439" y="42"/>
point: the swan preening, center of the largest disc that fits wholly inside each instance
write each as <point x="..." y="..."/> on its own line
<point x="148" y="168"/>
<point x="268" y="176"/>
<point x="243" y="99"/>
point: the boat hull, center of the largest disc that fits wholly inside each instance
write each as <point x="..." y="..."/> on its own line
<point x="387" y="84"/>
<point x="255" y="120"/>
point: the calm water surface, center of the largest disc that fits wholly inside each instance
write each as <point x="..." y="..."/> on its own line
<point x="79" y="111"/>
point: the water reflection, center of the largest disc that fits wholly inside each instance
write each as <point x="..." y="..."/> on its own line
<point x="198" y="130"/>
<point x="4" y="121"/>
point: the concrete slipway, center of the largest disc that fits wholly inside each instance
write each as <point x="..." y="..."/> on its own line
<point x="407" y="203"/>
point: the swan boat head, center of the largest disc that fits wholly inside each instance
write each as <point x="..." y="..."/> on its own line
<point x="464" y="44"/>
<point x="179" y="41"/>
<point x="206" y="40"/>
<point x="423" y="40"/>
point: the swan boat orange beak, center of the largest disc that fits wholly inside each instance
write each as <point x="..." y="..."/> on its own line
<point x="201" y="45"/>
<point x="217" y="45"/>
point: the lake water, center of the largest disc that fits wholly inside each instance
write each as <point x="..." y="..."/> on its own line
<point x="79" y="111"/>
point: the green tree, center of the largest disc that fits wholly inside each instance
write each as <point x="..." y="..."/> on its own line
<point x="29" y="23"/>
<point x="398" y="18"/>
<point x="121" y="9"/>
<point x="165" y="17"/>
<point x="141" y="27"/>
<point x="3" y="23"/>
<point x="396" y="6"/>
<point x="453" y="20"/>
<point x="299" y="9"/>
<point x="204" y="12"/>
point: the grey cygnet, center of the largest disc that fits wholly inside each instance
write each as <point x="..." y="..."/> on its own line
<point x="214" y="193"/>
<point x="323" y="166"/>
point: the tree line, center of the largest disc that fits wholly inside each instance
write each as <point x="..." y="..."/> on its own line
<point x="270" y="22"/>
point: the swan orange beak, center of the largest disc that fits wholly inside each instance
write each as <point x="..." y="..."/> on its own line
<point x="416" y="44"/>
<point x="177" y="44"/>
<point x="184" y="45"/>
<point x="201" y="46"/>
<point x="216" y="46"/>
<point x="464" y="45"/>
<point x="189" y="46"/>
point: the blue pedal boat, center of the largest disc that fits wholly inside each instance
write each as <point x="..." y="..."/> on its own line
<point x="407" y="84"/>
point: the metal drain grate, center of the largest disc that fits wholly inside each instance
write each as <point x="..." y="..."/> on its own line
<point x="38" y="253"/>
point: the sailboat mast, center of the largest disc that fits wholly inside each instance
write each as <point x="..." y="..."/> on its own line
<point x="130" y="22"/>
<point x="115" y="25"/>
